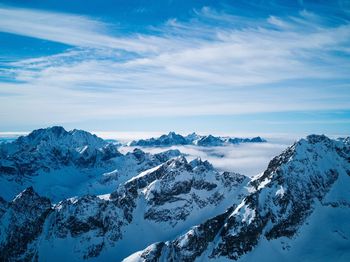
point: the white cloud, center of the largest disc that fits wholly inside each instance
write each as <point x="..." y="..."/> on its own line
<point x="247" y="159"/>
<point x="189" y="68"/>
<point x="65" y="28"/>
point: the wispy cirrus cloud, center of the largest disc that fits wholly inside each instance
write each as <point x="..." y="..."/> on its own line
<point x="214" y="63"/>
<point x="68" y="29"/>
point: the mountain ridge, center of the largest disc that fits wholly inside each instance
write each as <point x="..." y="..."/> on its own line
<point x="187" y="210"/>
<point x="54" y="160"/>
<point x="172" y="139"/>
<point x="282" y="200"/>
<point x="169" y="197"/>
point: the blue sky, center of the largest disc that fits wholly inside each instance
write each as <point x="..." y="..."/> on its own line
<point x="206" y="66"/>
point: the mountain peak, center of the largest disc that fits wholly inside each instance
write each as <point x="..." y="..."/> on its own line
<point x="29" y="198"/>
<point x="314" y="139"/>
<point x="169" y="139"/>
<point x="172" y="139"/>
<point x="198" y="162"/>
<point x="178" y="161"/>
<point x="28" y="192"/>
<point x="303" y="189"/>
<point x="58" y="135"/>
<point x="53" y="148"/>
<point x="44" y="133"/>
<point x="257" y="139"/>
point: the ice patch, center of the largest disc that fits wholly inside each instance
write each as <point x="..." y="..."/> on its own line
<point x="104" y="197"/>
<point x="248" y="215"/>
<point x="280" y="192"/>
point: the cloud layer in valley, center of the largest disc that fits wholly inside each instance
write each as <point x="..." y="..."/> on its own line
<point x="249" y="159"/>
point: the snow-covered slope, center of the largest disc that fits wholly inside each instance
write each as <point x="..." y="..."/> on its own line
<point x="61" y="164"/>
<point x="48" y="149"/>
<point x="173" y="139"/>
<point x="297" y="210"/>
<point x="156" y="205"/>
<point x="175" y="210"/>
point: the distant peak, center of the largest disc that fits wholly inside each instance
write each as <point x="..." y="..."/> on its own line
<point x="172" y="134"/>
<point x="345" y="140"/>
<point x="199" y="162"/>
<point x="313" y="139"/>
<point x="180" y="160"/>
<point x="138" y="152"/>
<point x="28" y="192"/>
<point x="196" y="161"/>
<point x="55" y="130"/>
<point x="257" y="139"/>
<point x="78" y="131"/>
<point x="58" y="134"/>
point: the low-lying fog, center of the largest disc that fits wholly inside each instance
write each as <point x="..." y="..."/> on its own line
<point x="248" y="159"/>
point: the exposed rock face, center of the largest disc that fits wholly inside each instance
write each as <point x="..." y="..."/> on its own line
<point x="170" y="195"/>
<point x="21" y="225"/>
<point x="189" y="246"/>
<point x="146" y="160"/>
<point x="187" y="186"/>
<point x="295" y="183"/>
<point x="133" y="163"/>
<point x="3" y="206"/>
<point x="92" y="222"/>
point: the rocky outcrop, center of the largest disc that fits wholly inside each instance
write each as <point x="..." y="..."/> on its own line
<point x="186" y="186"/>
<point x="21" y="226"/>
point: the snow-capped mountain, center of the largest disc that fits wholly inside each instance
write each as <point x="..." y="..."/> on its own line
<point x="209" y="141"/>
<point x="173" y="139"/>
<point x="297" y="210"/>
<point x="60" y="164"/>
<point x="156" y="205"/>
<point x="170" y="139"/>
<point x="163" y="208"/>
<point x="47" y="149"/>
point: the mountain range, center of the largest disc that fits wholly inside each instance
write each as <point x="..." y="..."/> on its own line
<point x="73" y="196"/>
<point x="173" y="139"/>
<point x="60" y="164"/>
